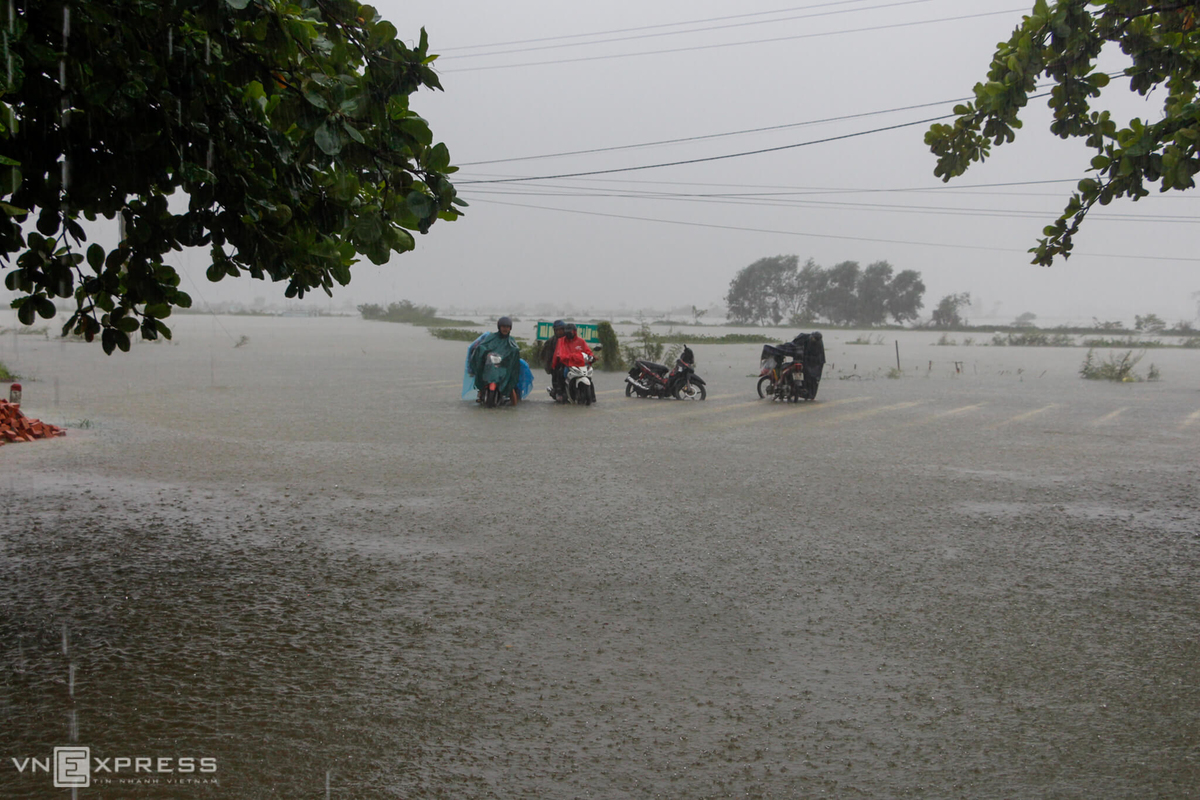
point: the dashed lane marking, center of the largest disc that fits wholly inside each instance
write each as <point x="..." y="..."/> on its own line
<point x="1109" y="417"/>
<point x="1191" y="419"/>
<point x="430" y="384"/>
<point x="870" y="412"/>
<point x="682" y="408"/>
<point x="1023" y="417"/>
<point x="944" y="414"/>
<point x="789" y="409"/>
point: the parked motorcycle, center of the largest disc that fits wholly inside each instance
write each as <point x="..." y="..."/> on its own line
<point x="780" y="376"/>
<point x="791" y="371"/>
<point x="648" y="379"/>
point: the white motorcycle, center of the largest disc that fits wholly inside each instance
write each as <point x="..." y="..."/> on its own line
<point x="580" y="389"/>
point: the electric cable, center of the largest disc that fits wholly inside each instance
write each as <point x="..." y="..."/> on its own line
<point x="733" y="44"/>
<point x="1194" y="259"/>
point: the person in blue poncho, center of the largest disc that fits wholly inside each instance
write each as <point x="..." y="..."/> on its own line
<point x="504" y="370"/>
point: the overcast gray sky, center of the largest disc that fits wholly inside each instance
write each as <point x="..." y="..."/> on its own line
<point x="529" y="80"/>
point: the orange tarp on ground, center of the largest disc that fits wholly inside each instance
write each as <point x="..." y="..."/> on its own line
<point x="16" y="427"/>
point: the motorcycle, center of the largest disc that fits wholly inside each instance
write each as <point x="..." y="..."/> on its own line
<point x="494" y="373"/>
<point x="781" y="375"/>
<point x="581" y="390"/>
<point x="648" y="379"/>
<point x="791" y="372"/>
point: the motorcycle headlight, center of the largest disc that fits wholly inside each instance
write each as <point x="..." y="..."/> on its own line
<point x="494" y="358"/>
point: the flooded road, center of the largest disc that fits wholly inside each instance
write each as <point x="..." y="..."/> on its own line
<point x="307" y="561"/>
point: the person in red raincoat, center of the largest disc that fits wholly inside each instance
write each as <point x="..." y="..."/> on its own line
<point x="571" y="351"/>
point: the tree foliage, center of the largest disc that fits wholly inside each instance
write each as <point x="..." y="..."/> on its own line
<point x="1063" y="40"/>
<point x="774" y="289"/>
<point x="948" y="313"/>
<point x="282" y="129"/>
<point x="764" y="291"/>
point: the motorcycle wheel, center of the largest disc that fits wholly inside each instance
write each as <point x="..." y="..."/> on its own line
<point x="690" y="391"/>
<point x="766" y="387"/>
<point x="629" y="390"/>
<point x="491" y="398"/>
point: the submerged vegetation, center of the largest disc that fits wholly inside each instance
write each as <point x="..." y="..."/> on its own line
<point x="1115" y="368"/>
<point x="1033" y="339"/>
<point x="454" y="334"/>
<point x="407" y="311"/>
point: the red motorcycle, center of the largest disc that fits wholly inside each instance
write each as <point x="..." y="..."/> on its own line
<point x="648" y="379"/>
<point x="791" y="371"/>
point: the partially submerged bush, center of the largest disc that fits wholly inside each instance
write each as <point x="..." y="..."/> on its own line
<point x="407" y="311"/>
<point x="1113" y="368"/>
<point x="454" y="334"/>
<point x="645" y="345"/>
<point x="610" y="348"/>
<point x="1033" y="339"/>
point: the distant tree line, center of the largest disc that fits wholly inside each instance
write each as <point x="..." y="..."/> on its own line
<point x="777" y="289"/>
<point x="404" y="311"/>
<point x="407" y="311"/>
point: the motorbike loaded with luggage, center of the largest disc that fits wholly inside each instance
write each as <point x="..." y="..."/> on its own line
<point x="791" y="371"/>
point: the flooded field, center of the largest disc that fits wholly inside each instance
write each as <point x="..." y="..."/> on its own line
<point x="302" y="567"/>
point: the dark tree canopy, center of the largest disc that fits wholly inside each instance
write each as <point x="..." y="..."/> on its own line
<point x="948" y="313"/>
<point x="763" y="292"/>
<point x="283" y="130"/>
<point x="775" y="289"/>
<point x="1062" y="40"/>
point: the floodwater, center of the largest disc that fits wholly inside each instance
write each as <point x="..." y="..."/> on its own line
<point x="305" y="559"/>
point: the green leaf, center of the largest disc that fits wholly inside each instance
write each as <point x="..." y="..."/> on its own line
<point x="44" y="307"/>
<point x="438" y="158"/>
<point x="381" y="33"/>
<point x="417" y="128"/>
<point x="95" y="258"/>
<point x="422" y="205"/>
<point x="328" y="138"/>
<point x="368" y="227"/>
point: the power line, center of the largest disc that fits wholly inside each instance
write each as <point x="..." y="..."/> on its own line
<point x="648" y="27"/>
<point x="786" y="202"/>
<point x="764" y="129"/>
<point x="719" y="135"/>
<point x="736" y="44"/>
<point x="693" y="30"/>
<point x="832" y="190"/>
<point x="709" y="158"/>
<point x="1140" y="257"/>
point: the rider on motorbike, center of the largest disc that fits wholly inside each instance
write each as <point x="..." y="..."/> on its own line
<point x="506" y="347"/>
<point x="571" y="351"/>
<point x="557" y="388"/>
